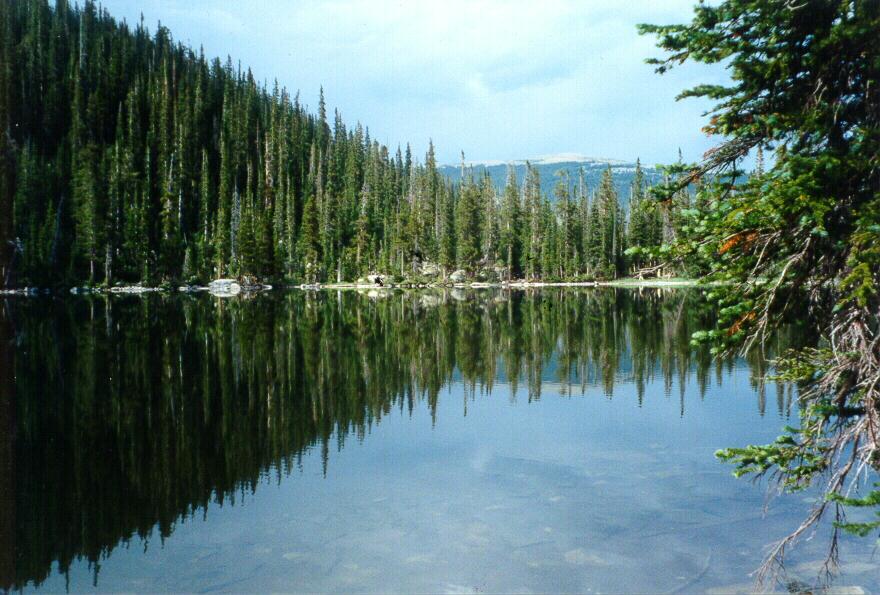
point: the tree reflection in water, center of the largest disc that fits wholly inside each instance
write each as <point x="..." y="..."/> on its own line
<point x="123" y="415"/>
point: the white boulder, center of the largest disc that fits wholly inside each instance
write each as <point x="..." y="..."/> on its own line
<point x="458" y="276"/>
<point x="224" y="287"/>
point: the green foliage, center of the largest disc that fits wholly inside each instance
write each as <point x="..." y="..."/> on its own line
<point x="134" y="159"/>
<point x="784" y="454"/>
<point x="871" y="500"/>
<point x="798" y="240"/>
<point x="467" y="226"/>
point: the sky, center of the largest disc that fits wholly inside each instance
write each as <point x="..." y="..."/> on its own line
<point x="496" y="79"/>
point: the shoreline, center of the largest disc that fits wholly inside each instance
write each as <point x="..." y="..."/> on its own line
<point x="634" y="283"/>
<point x="190" y="289"/>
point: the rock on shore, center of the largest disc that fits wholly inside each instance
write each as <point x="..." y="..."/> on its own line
<point x="224" y="287"/>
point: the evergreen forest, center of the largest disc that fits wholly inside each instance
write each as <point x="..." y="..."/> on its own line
<point x="130" y="158"/>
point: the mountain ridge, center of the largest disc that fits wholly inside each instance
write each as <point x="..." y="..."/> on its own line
<point x="553" y="158"/>
<point x="551" y="168"/>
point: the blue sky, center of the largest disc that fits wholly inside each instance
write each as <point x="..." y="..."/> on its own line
<point x="497" y="79"/>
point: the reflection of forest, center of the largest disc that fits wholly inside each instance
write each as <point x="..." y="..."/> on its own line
<point x="127" y="413"/>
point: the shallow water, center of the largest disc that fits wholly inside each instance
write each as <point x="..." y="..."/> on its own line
<point x="486" y="441"/>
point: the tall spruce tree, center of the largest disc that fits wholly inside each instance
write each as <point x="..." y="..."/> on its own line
<point x="510" y="240"/>
<point x="467" y="224"/>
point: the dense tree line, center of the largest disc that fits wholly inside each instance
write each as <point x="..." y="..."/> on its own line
<point x="128" y="157"/>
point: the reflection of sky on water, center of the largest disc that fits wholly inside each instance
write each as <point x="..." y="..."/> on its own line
<point x="568" y="494"/>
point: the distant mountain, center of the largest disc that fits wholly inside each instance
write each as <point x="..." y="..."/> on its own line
<point x="550" y="166"/>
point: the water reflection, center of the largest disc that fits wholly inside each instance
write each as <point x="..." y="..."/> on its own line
<point x="122" y="416"/>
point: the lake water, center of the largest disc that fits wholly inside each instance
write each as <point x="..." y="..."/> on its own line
<point x="461" y="442"/>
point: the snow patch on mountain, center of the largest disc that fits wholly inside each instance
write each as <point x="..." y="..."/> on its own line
<point x="557" y="158"/>
<point x="575" y="158"/>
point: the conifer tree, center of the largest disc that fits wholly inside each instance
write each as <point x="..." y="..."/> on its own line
<point x="203" y="244"/>
<point x="87" y="212"/>
<point x="135" y="159"/>
<point x="534" y="225"/>
<point x="510" y="241"/>
<point x="362" y="241"/>
<point x="645" y="227"/>
<point x="467" y="225"/>
<point x="489" y="220"/>
<point x="801" y="237"/>
<point x="608" y="222"/>
<point x="309" y="247"/>
<point x="447" y="239"/>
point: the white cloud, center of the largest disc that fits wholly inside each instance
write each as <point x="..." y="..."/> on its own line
<point x="498" y="79"/>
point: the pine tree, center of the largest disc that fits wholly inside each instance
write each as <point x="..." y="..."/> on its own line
<point x="549" y="260"/>
<point x="566" y="218"/>
<point x="810" y="221"/>
<point x="608" y="221"/>
<point x="447" y="255"/>
<point x="203" y="243"/>
<point x="534" y="225"/>
<point x="171" y="240"/>
<point x="594" y="246"/>
<point x="362" y="240"/>
<point x="510" y="240"/>
<point x="86" y="210"/>
<point x="644" y="232"/>
<point x="133" y="155"/>
<point x="582" y="223"/>
<point x="489" y="221"/>
<point x="467" y="225"/>
<point x="309" y="247"/>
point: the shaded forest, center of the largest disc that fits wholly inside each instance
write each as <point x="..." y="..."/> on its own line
<point x="131" y="158"/>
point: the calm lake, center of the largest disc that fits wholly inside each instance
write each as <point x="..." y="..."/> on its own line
<point x="457" y="441"/>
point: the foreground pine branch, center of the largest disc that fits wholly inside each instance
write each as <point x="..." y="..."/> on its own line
<point x="799" y="241"/>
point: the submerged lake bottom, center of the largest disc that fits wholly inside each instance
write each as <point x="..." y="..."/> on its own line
<point x="553" y="440"/>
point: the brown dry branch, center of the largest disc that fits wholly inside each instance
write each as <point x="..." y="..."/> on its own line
<point x="856" y="350"/>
